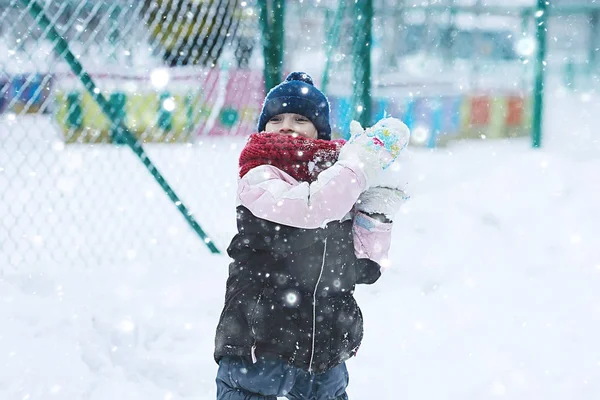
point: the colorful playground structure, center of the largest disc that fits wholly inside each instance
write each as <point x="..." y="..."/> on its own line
<point x="183" y="113"/>
<point x="24" y="93"/>
<point x="435" y="120"/>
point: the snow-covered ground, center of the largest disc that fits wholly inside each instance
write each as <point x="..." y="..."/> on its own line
<point x="493" y="290"/>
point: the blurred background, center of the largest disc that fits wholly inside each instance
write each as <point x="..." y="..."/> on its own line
<point x="120" y="126"/>
<point x="180" y="72"/>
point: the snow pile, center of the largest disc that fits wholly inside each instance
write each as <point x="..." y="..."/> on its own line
<point x="492" y="292"/>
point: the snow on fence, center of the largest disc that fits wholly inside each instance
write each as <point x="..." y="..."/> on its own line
<point x="84" y="84"/>
<point x="188" y="74"/>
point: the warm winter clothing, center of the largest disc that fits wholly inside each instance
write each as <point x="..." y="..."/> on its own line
<point x="290" y="292"/>
<point x="290" y="319"/>
<point x="272" y="195"/>
<point x="381" y="200"/>
<point x="302" y="158"/>
<point x="388" y="188"/>
<point x="389" y="135"/>
<point x="240" y="379"/>
<point x="298" y="255"/>
<point x="297" y="95"/>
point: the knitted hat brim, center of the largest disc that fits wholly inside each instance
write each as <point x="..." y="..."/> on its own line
<point x="295" y="105"/>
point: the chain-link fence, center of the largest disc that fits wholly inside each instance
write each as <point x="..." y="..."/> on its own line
<point x="77" y="185"/>
<point x="178" y="75"/>
<point x="452" y="69"/>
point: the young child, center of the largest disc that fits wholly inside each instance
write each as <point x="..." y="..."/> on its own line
<point x="311" y="225"/>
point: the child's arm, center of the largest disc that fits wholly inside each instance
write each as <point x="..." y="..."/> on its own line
<point x="274" y="195"/>
<point x="375" y="210"/>
<point x="372" y="239"/>
<point x="372" y="229"/>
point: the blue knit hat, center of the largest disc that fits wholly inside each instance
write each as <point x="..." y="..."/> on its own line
<point x="298" y="95"/>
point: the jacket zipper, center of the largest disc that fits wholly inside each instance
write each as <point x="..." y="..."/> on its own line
<point x="314" y="326"/>
<point x="253" y="348"/>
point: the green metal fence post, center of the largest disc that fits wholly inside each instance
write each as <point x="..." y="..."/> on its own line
<point x="113" y="35"/>
<point x="265" y="28"/>
<point x="278" y="39"/>
<point x="271" y="24"/>
<point x="332" y="40"/>
<point x="74" y="112"/>
<point x="61" y="48"/>
<point x="452" y="32"/>
<point x="117" y="102"/>
<point x="525" y="15"/>
<point x="165" y="116"/>
<point x="594" y="41"/>
<point x="541" y="18"/>
<point x="569" y="74"/>
<point x="363" y="15"/>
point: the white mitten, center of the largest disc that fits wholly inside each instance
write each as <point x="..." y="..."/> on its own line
<point x="389" y="189"/>
<point x="375" y="148"/>
<point x="396" y="176"/>
<point x="381" y="200"/>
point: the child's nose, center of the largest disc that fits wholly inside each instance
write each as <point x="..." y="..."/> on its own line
<point x="286" y="125"/>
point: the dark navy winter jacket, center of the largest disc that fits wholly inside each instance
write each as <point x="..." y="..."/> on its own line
<point x="290" y="288"/>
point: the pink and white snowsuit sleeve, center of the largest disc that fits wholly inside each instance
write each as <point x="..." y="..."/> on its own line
<point x="273" y="195"/>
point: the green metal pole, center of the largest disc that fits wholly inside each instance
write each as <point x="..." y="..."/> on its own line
<point x="525" y="20"/>
<point x="363" y="25"/>
<point x="272" y="27"/>
<point x="114" y="34"/>
<point x="476" y="61"/>
<point x="61" y="47"/>
<point x="265" y="28"/>
<point x="333" y="38"/>
<point x="593" y="41"/>
<point x="452" y="31"/>
<point x="278" y="39"/>
<point x="541" y="19"/>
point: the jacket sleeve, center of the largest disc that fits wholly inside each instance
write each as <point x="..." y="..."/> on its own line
<point x="372" y="238"/>
<point x="275" y="196"/>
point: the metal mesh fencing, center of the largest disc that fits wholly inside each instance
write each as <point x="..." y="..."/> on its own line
<point x="176" y="74"/>
<point x="179" y="75"/>
<point x="573" y="48"/>
<point x="450" y="70"/>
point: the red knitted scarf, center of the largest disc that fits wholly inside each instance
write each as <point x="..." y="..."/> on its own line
<point x="300" y="157"/>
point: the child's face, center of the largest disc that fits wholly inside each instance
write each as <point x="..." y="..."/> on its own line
<point x="292" y="124"/>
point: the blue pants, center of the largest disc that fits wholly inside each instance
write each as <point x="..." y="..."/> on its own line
<point x="240" y="379"/>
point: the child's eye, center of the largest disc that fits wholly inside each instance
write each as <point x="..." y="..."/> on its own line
<point x="302" y="119"/>
<point x="275" y="119"/>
